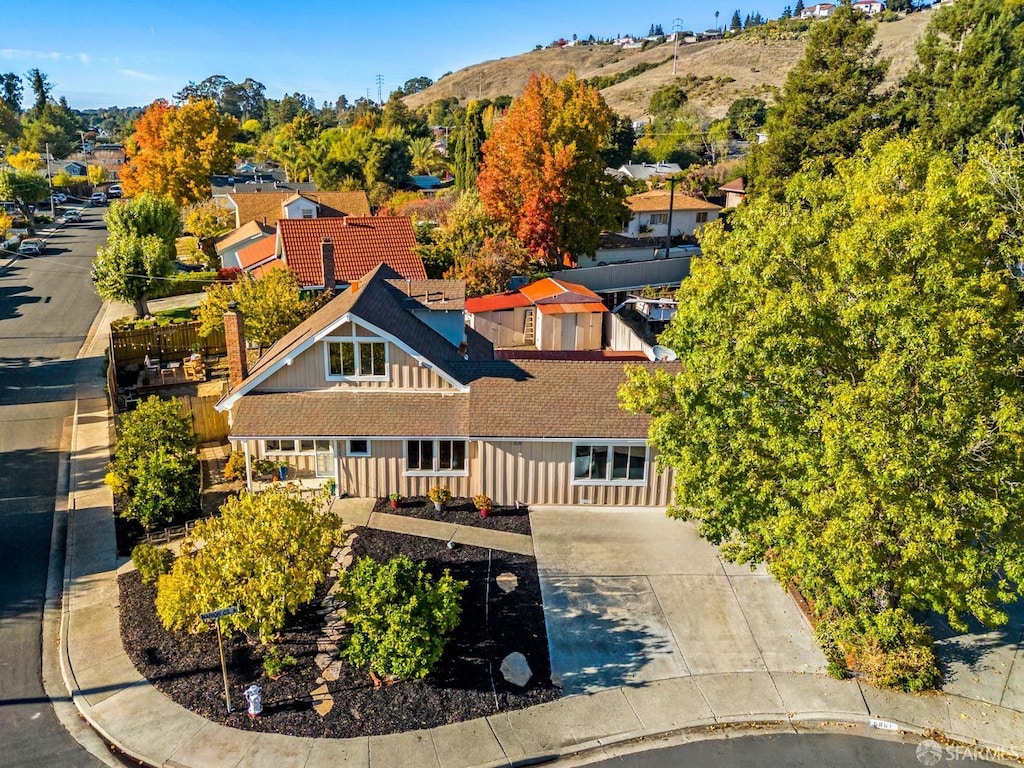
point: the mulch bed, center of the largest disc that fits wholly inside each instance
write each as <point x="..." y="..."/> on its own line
<point x="466" y="683"/>
<point x="461" y="512"/>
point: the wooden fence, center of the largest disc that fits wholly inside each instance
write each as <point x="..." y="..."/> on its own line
<point x="208" y="423"/>
<point x="163" y="343"/>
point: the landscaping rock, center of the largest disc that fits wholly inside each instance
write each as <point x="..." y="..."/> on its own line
<point x="507" y="582"/>
<point x="516" y="669"/>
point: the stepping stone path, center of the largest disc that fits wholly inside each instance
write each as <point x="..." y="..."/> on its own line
<point x="507" y="582"/>
<point x="516" y="669"/>
<point x="334" y="623"/>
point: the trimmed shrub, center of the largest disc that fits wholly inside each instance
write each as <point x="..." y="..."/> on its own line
<point x="399" y="615"/>
<point x="151" y="562"/>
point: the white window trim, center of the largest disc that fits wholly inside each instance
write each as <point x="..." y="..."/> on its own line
<point x="435" y="472"/>
<point x="611" y="444"/>
<point x="349" y="452"/>
<point x="353" y="339"/>
<point x="296" y="451"/>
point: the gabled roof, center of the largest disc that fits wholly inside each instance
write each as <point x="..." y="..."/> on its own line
<point x="242" y="233"/>
<point x="551" y="297"/>
<point x="658" y="199"/>
<point x="298" y="196"/>
<point x="257" y="253"/>
<point x="260" y="206"/>
<point x="376" y="303"/>
<point x="736" y="185"/>
<point x="360" y="244"/>
<point x="432" y="294"/>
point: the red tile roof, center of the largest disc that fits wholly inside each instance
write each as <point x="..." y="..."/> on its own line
<point x="361" y="243"/>
<point x="549" y="289"/>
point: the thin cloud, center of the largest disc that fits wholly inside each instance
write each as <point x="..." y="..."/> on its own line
<point x="84" y="58"/>
<point x="17" y="53"/>
<point x="136" y="75"/>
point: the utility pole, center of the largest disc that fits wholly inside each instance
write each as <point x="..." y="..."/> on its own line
<point x="677" y="29"/>
<point x="671" y="203"/>
<point x="49" y="182"/>
<point x="380" y="83"/>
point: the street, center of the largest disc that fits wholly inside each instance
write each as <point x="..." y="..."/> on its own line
<point x="46" y="307"/>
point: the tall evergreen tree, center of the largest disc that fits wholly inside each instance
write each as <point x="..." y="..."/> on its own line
<point x="827" y="103"/>
<point x="736" y="24"/>
<point x="468" y="142"/>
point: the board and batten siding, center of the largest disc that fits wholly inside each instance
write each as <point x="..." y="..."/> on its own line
<point x="541" y="473"/>
<point x="570" y="331"/>
<point x="383" y="473"/>
<point x="309" y="372"/>
<point x="503" y="328"/>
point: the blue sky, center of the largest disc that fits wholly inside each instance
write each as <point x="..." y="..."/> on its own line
<point x="128" y="54"/>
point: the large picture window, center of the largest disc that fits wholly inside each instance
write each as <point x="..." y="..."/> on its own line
<point x="435" y="457"/>
<point x="357" y="359"/>
<point x="609" y="463"/>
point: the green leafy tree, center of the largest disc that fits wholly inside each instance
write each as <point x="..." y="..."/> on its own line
<point x="144" y="215"/>
<point x="463" y="229"/>
<point x="41" y="88"/>
<point x="621" y="139"/>
<point x="388" y="160"/>
<point x="266" y="553"/>
<point x="129" y="267"/>
<point x="399" y="615"/>
<point x="165" y="484"/>
<point x="490" y="267"/>
<point x="969" y="74"/>
<point x="154" y="422"/>
<point x="667" y="100"/>
<point x="467" y="152"/>
<point x="22" y="188"/>
<point x="271" y="306"/>
<point x="746" y="116"/>
<point x="424" y="157"/>
<point x="847" y="408"/>
<point x="828" y="102"/>
<point x="543" y="173"/>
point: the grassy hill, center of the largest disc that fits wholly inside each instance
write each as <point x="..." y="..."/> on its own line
<point x="719" y="71"/>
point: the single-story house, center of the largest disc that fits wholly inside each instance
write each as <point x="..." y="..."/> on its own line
<point x="869" y="7"/>
<point x="650" y="214"/>
<point x="75" y="169"/>
<point x="818" y="11"/>
<point x="228" y="245"/>
<point x="384" y="390"/>
<point x="735" y="192"/>
<point x="269" y="207"/>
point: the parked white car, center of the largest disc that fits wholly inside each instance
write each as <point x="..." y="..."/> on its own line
<point x="30" y="247"/>
<point x="73" y="214"/>
<point x="98" y="198"/>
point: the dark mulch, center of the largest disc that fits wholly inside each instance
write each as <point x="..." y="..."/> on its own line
<point x="461" y="512"/>
<point x="465" y="685"/>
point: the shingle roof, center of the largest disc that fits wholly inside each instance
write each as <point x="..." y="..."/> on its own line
<point x="433" y="294"/>
<point x="360" y="244"/>
<point x="657" y="200"/>
<point x="736" y="185"/>
<point x="517" y="399"/>
<point x="260" y="206"/>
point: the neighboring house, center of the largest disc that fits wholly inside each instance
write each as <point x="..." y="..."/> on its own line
<point x="735" y="192"/>
<point x="332" y="253"/>
<point x="650" y="214"/>
<point x="75" y="169"/>
<point x="260" y="255"/>
<point x="645" y="171"/>
<point x="269" y="207"/>
<point x="546" y="315"/>
<point x="228" y="245"/>
<point x="373" y="392"/>
<point x="819" y="11"/>
<point x="869" y="7"/>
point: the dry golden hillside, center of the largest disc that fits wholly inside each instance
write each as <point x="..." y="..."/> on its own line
<point x="726" y="69"/>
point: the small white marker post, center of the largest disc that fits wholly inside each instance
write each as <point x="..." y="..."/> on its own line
<point x="215" y="617"/>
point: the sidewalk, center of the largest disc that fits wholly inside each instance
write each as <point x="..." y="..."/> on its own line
<point x="127" y="711"/>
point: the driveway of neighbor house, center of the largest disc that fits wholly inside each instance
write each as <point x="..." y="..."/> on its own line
<point x="631" y="596"/>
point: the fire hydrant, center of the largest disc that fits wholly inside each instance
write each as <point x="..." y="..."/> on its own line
<point x="254" y="697"/>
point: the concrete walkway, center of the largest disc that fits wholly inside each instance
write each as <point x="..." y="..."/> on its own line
<point x="129" y="713"/>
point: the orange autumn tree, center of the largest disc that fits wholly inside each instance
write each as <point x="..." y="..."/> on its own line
<point x="542" y="171"/>
<point x="175" y="150"/>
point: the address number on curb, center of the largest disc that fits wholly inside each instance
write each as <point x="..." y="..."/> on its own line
<point x="884" y="725"/>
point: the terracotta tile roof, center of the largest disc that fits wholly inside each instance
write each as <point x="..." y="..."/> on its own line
<point x="360" y="244"/>
<point x="736" y="185"/>
<point x="263" y="270"/>
<point x="657" y="200"/>
<point x="260" y="206"/>
<point x="496" y="301"/>
<point x="257" y="252"/>
<point x="246" y="231"/>
<point x="523" y="398"/>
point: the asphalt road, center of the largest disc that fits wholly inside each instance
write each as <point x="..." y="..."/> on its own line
<point x="790" y="750"/>
<point x="47" y="305"/>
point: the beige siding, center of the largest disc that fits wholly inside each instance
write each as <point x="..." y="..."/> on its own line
<point x="571" y="331"/>
<point x="504" y="328"/>
<point x="541" y="473"/>
<point x="309" y="372"/>
<point x="382" y="473"/>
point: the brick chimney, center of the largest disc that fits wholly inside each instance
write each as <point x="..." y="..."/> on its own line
<point x="234" y="337"/>
<point x="327" y="256"/>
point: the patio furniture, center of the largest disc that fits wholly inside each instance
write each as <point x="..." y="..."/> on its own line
<point x="194" y="368"/>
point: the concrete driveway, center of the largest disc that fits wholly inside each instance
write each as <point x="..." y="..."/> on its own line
<point x="631" y="597"/>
